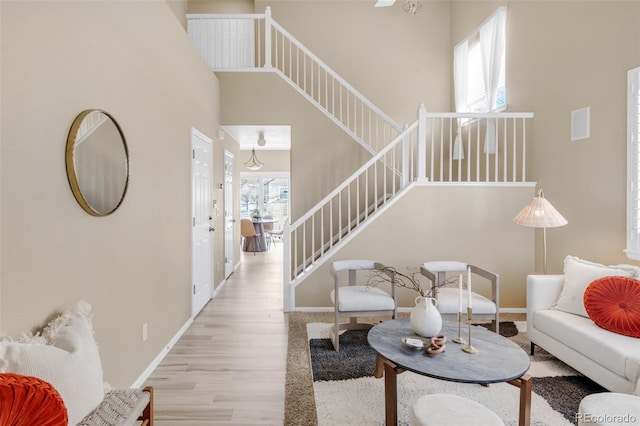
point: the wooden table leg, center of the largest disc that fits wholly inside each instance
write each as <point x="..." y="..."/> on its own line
<point x="390" y="394"/>
<point x="378" y="370"/>
<point x="390" y="372"/>
<point x="524" y="383"/>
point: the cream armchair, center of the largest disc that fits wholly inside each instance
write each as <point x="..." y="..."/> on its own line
<point x="359" y="300"/>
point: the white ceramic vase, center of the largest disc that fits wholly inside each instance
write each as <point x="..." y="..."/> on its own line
<point x="425" y="318"/>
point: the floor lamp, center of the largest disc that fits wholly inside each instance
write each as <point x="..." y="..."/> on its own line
<point x="539" y="213"/>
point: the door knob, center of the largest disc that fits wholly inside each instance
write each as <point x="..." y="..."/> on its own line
<point x="211" y="229"/>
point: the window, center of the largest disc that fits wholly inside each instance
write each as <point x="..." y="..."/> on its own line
<point x="633" y="164"/>
<point x="267" y="192"/>
<point x="479" y="67"/>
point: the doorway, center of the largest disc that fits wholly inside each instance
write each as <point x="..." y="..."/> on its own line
<point x="229" y="221"/>
<point x="202" y="217"/>
<point x="267" y="192"/>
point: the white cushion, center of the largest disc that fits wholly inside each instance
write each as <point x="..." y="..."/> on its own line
<point x="609" y="408"/>
<point x="66" y="356"/>
<point x="360" y="298"/>
<point x="620" y="354"/>
<point x="448" y="302"/>
<point x="344" y="265"/>
<point x="445" y="266"/>
<point x="578" y="274"/>
<point x="443" y="409"/>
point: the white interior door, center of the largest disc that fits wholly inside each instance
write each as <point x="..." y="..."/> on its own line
<point x="202" y="232"/>
<point x="229" y="221"/>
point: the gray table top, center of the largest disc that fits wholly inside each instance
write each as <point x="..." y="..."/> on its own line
<point x="498" y="358"/>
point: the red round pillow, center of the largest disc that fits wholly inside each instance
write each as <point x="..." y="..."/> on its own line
<point x="613" y="303"/>
<point x="28" y="401"/>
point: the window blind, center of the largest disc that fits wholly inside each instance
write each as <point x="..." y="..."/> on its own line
<point x="633" y="164"/>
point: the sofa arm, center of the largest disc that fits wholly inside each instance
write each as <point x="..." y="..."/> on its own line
<point x="542" y="292"/>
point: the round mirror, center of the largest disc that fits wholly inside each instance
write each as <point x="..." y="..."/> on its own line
<point x="97" y="162"/>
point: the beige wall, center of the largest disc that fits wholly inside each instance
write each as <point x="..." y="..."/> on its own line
<point x="219" y="6"/>
<point x="179" y="9"/>
<point x="389" y="50"/>
<point x="565" y="56"/>
<point x="395" y="60"/>
<point x="321" y="155"/>
<point x="474" y="226"/>
<point x="59" y="58"/>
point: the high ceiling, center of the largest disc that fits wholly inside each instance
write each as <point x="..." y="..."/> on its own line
<point x="276" y="137"/>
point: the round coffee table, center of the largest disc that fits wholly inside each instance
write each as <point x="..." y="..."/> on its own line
<point x="498" y="360"/>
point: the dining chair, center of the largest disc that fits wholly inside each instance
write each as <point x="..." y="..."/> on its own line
<point x="276" y="233"/>
<point x="449" y="298"/>
<point x="248" y="231"/>
<point x="267" y="227"/>
<point x="359" y="300"/>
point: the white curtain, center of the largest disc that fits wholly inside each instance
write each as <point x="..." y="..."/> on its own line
<point x="492" y="47"/>
<point x="460" y="70"/>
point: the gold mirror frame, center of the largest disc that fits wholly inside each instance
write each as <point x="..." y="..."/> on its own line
<point x="85" y="199"/>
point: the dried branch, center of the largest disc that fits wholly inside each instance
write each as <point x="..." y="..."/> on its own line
<point x="410" y="280"/>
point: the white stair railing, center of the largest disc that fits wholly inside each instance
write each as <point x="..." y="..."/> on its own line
<point x="330" y="93"/>
<point x="479" y="160"/>
<point x="335" y="219"/>
<point x="255" y="42"/>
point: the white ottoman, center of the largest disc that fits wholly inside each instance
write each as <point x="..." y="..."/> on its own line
<point x="442" y="409"/>
<point x="609" y="408"/>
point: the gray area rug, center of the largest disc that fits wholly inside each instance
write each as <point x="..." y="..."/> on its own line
<point x="560" y="386"/>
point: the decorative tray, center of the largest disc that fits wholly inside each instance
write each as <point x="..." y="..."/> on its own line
<point x="416" y="342"/>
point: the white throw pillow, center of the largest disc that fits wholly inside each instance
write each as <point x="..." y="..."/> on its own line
<point x="66" y="356"/>
<point x="578" y="274"/>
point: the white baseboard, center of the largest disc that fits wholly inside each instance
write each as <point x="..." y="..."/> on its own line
<point x="154" y="364"/>
<point x="303" y="309"/>
<point x="158" y="359"/>
<point x="513" y="310"/>
<point x="218" y="288"/>
<point x="330" y="309"/>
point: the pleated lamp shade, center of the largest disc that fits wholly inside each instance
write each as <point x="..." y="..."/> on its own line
<point x="539" y="213"/>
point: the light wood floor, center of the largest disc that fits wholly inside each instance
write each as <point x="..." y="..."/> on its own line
<point x="229" y="366"/>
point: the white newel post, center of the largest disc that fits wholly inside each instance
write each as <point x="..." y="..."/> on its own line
<point x="422" y="143"/>
<point x="406" y="158"/>
<point x="267" y="37"/>
<point x="288" y="295"/>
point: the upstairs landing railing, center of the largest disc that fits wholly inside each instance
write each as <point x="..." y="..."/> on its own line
<point x="257" y="43"/>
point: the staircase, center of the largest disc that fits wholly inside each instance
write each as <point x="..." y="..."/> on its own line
<point x="256" y="43"/>
<point x="418" y="153"/>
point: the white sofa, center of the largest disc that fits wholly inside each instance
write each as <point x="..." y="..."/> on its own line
<point x="609" y="359"/>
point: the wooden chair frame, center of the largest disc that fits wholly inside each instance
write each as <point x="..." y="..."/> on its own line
<point x="353" y="316"/>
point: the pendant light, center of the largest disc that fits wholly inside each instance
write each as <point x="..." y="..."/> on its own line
<point x="253" y="163"/>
